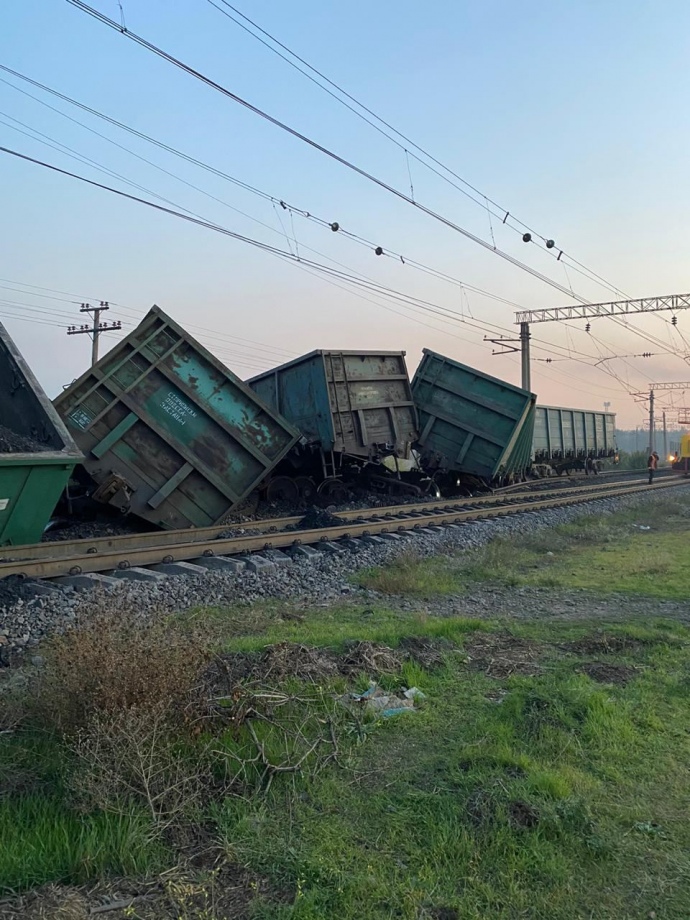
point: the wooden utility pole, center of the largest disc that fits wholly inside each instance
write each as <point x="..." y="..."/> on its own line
<point x="96" y="328"/>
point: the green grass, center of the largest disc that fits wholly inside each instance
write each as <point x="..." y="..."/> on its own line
<point x="602" y="554"/>
<point x="326" y="626"/>
<point x="566" y="799"/>
<point x="42" y="840"/>
<point x="538" y="793"/>
<point x="427" y="815"/>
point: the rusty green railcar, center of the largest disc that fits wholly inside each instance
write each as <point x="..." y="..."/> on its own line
<point x="168" y="432"/>
<point x="472" y="424"/>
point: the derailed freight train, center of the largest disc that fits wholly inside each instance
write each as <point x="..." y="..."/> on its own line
<point x="167" y="433"/>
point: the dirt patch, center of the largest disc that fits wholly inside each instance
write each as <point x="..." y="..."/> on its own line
<point x="522" y="814"/>
<point x="288" y="659"/>
<point x="601" y="643"/>
<point x="426" y="652"/>
<point x="370" y="658"/>
<point x="444" y="913"/>
<point x="501" y="654"/>
<point x="226" y="892"/>
<point x="605" y="672"/>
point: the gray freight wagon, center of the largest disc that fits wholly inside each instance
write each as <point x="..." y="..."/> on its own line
<point x="168" y="432"/>
<point x="356" y="415"/>
<point x="566" y="438"/>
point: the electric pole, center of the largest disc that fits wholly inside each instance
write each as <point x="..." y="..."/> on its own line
<point x="96" y="328"/>
<point x="663" y="418"/>
<point x="508" y="346"/>
<point x="651" y="421"/>
<point x="524" y="348"/>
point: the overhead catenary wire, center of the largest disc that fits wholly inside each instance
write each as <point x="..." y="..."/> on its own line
<point x="274" y="199"/>
<point x="327" y="270"/>
<point x="397" y="137"/>
<point x="234" y="97"/>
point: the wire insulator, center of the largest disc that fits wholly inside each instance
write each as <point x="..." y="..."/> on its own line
<point x="379" y="250"/>
<point x="550" y="244"/>
<point x="335" y="226"/>
<point x="526" y="237"/>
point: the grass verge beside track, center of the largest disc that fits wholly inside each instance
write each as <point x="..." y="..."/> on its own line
<point x="544" y="774"/>
<point x="640" y="551"/>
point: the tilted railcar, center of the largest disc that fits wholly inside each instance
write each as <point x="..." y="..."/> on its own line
<point x="474" y="428"/>
<point x="168" y="432"/>
<point x="358" y="422"/>
<point x="37" y="453"/>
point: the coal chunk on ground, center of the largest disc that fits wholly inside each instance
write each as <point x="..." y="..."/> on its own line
<point x="316" y="518"/>
<point x="14" y="588"/>
<point x="11" y="442"/>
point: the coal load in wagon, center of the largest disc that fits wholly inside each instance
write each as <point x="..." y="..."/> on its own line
<point x="37" y="454"/>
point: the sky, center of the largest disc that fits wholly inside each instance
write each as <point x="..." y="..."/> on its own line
<point x="570" y="117"/>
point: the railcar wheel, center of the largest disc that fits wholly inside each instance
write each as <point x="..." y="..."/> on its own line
<point x="282" y="489"/>
<point x="333" y="490"/>
<point x="306" y="487"/>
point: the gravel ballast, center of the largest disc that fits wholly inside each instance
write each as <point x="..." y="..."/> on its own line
<point x="321" y="579"/>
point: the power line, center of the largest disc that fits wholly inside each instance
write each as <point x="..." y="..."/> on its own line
<point x="164" y="55"/>
<point x="261" y="193"/>
<point x="324" y="269"/>
<point x="265" y="195"/>
<point x="502" y="214"/>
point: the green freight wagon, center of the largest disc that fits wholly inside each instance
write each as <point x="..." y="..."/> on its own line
<point x="168" y="432"/>
<point x="471" y="424"/>
<point x="37" y="454"/>
<point x="562" y="434"/>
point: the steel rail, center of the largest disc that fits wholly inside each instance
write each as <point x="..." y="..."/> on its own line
<point x="122" y="542"/>
<point x="181" y="552"/>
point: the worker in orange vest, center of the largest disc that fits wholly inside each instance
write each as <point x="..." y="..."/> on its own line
<point x="652" y="464"/>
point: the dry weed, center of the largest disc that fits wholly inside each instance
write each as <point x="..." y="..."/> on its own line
<point x="114" y="660"/>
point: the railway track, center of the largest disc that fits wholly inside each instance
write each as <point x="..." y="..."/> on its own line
<point x="122" y="556"/>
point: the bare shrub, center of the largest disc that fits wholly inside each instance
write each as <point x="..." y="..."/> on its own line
<point x="114" y="660"/>
<point x="134" y="758"/>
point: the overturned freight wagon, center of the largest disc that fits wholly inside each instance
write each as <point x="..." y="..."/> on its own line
<point x="566" y="438"/>
<point x="168" y="432"/>
<point x="37" y="454"/>
<point x="355" y="412"/>
<point x="471" y="426"/>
